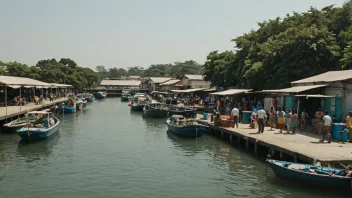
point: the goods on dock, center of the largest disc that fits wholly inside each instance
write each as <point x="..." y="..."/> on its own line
<point x="313" y="175"/>
<point x="183" y="127"/>
<point x="42" y="128"/>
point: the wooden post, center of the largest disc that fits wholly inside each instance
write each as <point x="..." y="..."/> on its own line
<point x="256" y="147"/>
<point x="295" y="157"/>
<point x="238" y="139"/>
<point x="230" y="138"/>
<point x="247" y="143"/>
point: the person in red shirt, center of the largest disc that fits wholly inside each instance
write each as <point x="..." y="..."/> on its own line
<point x="218" y="105"/>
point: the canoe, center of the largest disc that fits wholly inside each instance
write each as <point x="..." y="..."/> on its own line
<point x="324" y="177"/>
<point x="100" y="95"/>
<point x="186" y="128"/>
<point x="13" y="126"/>
<point x="155" y="110"/>
<point x="40" y="129"/>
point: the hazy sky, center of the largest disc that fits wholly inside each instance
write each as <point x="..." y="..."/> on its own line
<point x="122" y="33"/>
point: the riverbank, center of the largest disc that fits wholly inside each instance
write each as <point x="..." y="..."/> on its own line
<point x="301" y="147"/>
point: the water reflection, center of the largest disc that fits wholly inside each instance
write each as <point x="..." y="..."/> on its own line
<point x="32" y="151"/>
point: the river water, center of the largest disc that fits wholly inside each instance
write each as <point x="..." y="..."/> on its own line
<point x="108" y="151"/>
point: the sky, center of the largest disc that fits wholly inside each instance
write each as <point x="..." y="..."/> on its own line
<point x="124" y="33"/>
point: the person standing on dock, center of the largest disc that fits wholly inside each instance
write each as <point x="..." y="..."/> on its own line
<point x="261" y="116"/>
<point x="236" y="114"/>
<point x="281" y="119"/>
<point x="218" y="103"/>
<point x="272" y="118"/>
<point x="327" y="121"/>
<point x="349" y="126"/>
<point x="294" y="118"/>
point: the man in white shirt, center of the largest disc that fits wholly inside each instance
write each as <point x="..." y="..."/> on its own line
<point x="327" y="126"/>
<point x="261" y="116"/>
<point x="236" y="114"/>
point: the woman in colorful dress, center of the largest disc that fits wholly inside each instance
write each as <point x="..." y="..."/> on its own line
<point x="272" y="114"/>
<point x="294" y="118"/>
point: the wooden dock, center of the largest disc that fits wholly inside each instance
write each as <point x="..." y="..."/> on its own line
<point x="13" y="111"/>
<point x="302" y="147"/>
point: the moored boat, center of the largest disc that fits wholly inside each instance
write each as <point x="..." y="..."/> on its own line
<point x="89" y="97"/>
<point x="69" y="107"/>
<point x="100" y="95"/>
<point x="139" y="101"/>
<point x="41" y="129"/>
<point x="318" y="176"/>
<point x="183" y="127"/>
<point x="79" y="104"/>
<point x="125" y="97"/>
<point x="19" y="123"/>
<point x="155" y="110"/>
<point x="186" y="112"/>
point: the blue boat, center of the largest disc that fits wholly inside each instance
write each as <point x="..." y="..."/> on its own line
<point x="41" y="129"/>
<point x="100" y="95"/>
<point x="125" y="97"/>
<point x="183" y="127"/>
<point x="155" y="110"/>
<point x="66" y="108"/>
<point x="318" y="176"/>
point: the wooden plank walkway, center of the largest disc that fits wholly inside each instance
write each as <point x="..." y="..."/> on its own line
<point x="303" y="145"/>
<point x="13" y="111"/>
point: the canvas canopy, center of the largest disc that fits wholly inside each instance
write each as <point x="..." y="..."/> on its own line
<point x="16" y="82"/>
<point x="188" y="90"/>
<point x="230" y="92"/>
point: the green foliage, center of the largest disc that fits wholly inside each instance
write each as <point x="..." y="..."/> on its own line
<point x="65" y="71"/>
<point x="285" y="50"/>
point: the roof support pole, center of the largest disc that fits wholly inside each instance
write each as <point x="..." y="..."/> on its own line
<point x="20" y="101"/>
<point x="6" y="98"/>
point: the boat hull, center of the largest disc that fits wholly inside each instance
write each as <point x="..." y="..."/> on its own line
<point x="90" y="99"/>
<point x="187" y="113"/>
<point x="79" y="106"/>
<point x="99" y="96"/>
<point x="35" y="134"/>
<point x="66" y="109"/>
<point x="188" y="130"/>
<point x="155" y="113"/>
<point x="124" y="98"/>
<point x="137" y="107"/>
<point x="13" y="129"/>
<point x="306" y="178"/>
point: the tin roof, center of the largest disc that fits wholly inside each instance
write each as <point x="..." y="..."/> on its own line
<point x="170" y="82"/>
<point x="230" y="92"/>
<point x="331" y="76"/>
<point x="120" y="83"/>
<point x="194" y="77"/>
<point x="159" y="79"/>
<point x="296" y="89"/>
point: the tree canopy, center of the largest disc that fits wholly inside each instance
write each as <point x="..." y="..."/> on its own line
<point x="283" y="50"/>
<point x="65" y="71"/>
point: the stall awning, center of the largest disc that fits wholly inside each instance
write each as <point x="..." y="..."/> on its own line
<point x="296" y="89"/>
<point x="209" y="90"/>
<point x="56" y="85"/>
<point x="314" y="96"/>
<point x="20" y="81"/>
<point x="230" y="92"/>
<point x="188" y="90"/>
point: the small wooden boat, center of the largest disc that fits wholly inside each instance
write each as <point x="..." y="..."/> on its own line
<point x="89" y="97"/>
<point x="79" y="105"/>
<point x="319" y="176"/>
<point x="65" y="108"/>
<point x="125" y="97"/>
<point x="186" y="112"/>
<point x="138" y="102"/>
<point x="19" y="123"/>
<point x="183" y="127"/>
<point x="100" y="95"/>
<point x="41" y="129"/>
<point x="155" y="110"/>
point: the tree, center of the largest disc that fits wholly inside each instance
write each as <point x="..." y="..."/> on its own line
<point x="68" y="62"/>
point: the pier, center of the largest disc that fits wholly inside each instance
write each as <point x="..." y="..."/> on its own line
<point x="13" y="111"/>
<point x="301" y="147"/>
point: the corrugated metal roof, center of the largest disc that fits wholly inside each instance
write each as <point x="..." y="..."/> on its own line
<point x="12" y="80"/>
<point x="188" y="90"/>
<point x="120" y="83"/>
<point x="170" y="82"/>
<point x="194" y="77"/>
<point x="53" y="85"/>
<point x="230" y="92"/>
<point x="159" y="79"/>
<point x="331" y="76"/>
<point x="296" y="89"/>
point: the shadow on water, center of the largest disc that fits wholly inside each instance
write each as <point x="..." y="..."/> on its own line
<point x="31" y="151"/>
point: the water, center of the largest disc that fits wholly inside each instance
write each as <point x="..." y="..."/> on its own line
<point x="108" y="151"/>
